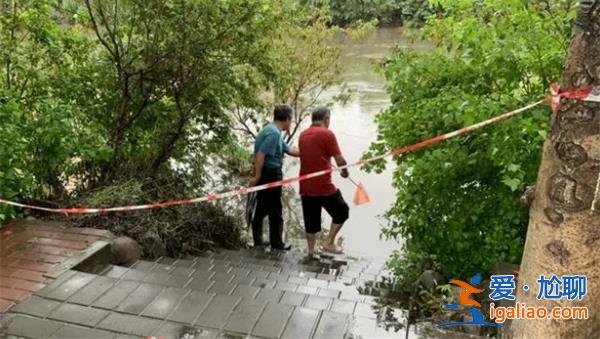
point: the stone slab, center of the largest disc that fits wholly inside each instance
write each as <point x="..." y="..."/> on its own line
<point x="190" y="307"/>
<point x="301" y="323"/>
<point x="36" y="306"/>
<point x="116" y="294"/>
<point x="272" y="321"/>
<point x="129" y="324"/>
<point x="217" y="312"/>
<point x="139" y="299"/>
<point x="244" y="316"/>
<point x="92" y="291"/>
<point x="78" y="314"/>
<point x="164" y="303"/>
<point x="332" y="325"/>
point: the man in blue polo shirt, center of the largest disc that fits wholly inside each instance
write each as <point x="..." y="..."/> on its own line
<point x="269" y="149"/>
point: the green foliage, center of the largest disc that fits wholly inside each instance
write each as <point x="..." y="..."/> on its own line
<point x="345" y="12"/>
<point x="95" y="92"/>
<point x="457" y="205"/>
<point x="305" y="59"/>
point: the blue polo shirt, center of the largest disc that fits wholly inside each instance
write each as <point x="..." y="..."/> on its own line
<point x="270" y="141"/>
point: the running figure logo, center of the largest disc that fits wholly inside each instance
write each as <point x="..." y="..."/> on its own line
<point x="465" y="300"/>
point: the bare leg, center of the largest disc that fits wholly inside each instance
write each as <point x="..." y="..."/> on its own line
<point x="330" y="245"/>
<point x="311" y="239"/>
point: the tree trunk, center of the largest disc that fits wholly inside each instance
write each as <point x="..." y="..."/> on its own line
<point x="563" y="237"/>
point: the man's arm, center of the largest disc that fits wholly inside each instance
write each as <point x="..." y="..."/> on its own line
<point x="341" y="161"/>
<point x="259" y="160"/>
<point x="294" y="151"/>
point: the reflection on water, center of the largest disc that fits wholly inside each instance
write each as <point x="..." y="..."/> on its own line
<point x="355" y="128"/>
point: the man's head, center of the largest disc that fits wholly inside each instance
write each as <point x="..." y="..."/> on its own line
<point x="321" y="115"/>
<point x="282" y="114"/>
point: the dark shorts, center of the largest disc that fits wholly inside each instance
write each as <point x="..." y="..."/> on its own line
<point x="334" y="205"/>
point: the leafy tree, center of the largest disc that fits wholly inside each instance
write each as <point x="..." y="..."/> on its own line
<point x="458" y="205"/>
<point x="305" y="62"/>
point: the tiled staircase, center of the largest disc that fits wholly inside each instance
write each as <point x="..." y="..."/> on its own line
<point x="229" y="294"/>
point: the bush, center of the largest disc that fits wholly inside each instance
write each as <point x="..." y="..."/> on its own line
<point x="174" y="232"/>
<point x="457" y="205"/>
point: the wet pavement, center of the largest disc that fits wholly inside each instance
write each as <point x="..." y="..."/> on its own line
<point x="30" y="249"/>
<point x="228" y="294"/>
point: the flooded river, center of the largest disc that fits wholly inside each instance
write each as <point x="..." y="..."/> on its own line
<point x="355" y="127"/>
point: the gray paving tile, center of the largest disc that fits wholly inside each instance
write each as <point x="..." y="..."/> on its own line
<point x="245" y="292"/>
<point x="301" y="323"/>
<point x="164" y="303"/>
<point x="327" y="277"/>
<point x="203" y="265"/>
<point x="318" y="283"/>
<point x="272" y="321"/>
<point x="206" y="275"/>
<point x="127" y="336"/>
<point x="264" y="283"/>
<point x="156" y="278"/>
<point x="217" y="311"/>
<point x="129" y="324"/>
<point x="115" y="272"/>
<point x="343" y="306"/>
<point x="307" y="290"/>
<point x="77" y="314"/>
<point x="278" y="276"/>
<point x="114" y="296"/>
<point x="244" y="316"/>
<point x="70" y="286"/>
<point x="24" y="326"/>
<point x="190" y="307"/>
<point x="269" y="294"/>
<point x="143" y="265"/>
<point x="220" y="268"/>
<point x="177" y="281"/>
<point x="298" y="280"/>
<point x="55" y="283"/>
<point x="183" y="271"/>
<point x="77" y="332"/>
<point x="258" y="274"/>
<point x="242" y="280"/>
<point x="135" y="275"/>
<point x="170" y="330"/>
<point x="92" y="291"/>
<point x="318" y="303"/>
<point x="200" y="284"/>
<point x="222" y="277"/>
<point x="166" y="260"/>
<point x="286" y="286"/>
<point x="292" y="298"/>
<point x="37" y="306"/>
<point x="221" y="288"/>
<point x="364" y="310"/>
<point x="139" y="299"/>
<point x="332" y="325"/>
<point x="326" y="292"/>
<point x="188" y="263"/>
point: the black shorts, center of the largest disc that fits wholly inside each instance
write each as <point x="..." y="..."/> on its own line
<point x="334" y="205"/>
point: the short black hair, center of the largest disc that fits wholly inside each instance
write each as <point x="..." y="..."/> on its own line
<point x="320" y="114"/>
<point x="283" y="112"/>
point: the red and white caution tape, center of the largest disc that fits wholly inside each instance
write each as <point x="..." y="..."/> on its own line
<point x="579" y="94"/>
<point x="582" y="94"/>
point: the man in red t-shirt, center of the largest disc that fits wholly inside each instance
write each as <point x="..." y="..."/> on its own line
<point x="317" y="146"/>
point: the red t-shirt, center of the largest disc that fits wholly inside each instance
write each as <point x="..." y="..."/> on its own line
<point x="317" y="146"/>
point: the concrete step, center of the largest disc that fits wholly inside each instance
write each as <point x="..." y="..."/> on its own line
<point x="220" y="295"/>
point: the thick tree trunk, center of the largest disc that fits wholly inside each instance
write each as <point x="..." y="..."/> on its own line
<point x="564" y="229"/>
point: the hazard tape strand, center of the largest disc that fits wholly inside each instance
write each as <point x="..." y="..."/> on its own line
<point x="584" y="94"/>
